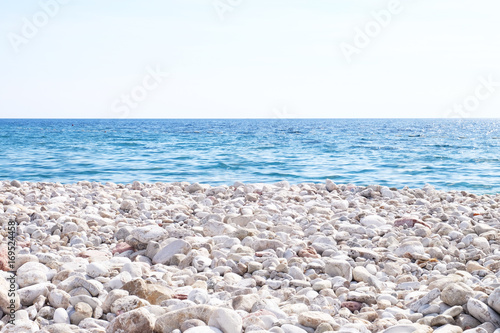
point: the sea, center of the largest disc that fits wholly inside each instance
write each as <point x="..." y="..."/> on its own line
<point x="450" y="154"/>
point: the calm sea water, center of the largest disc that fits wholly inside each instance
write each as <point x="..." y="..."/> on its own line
<point x="449" y="154"/>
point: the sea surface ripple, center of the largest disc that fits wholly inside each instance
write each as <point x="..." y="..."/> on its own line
<point x="451" y="154"/>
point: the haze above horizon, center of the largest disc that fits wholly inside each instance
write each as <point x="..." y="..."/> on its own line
<point x="249" y="59"/>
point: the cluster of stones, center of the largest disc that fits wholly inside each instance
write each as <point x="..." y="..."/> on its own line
<point x="306" y="258"/>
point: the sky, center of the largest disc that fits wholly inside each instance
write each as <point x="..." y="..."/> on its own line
<point x="249" y="59"/>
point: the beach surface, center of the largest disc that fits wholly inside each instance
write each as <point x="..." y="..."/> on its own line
<point x="282" y="258"/>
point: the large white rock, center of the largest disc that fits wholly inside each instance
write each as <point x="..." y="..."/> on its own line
<point x="494" y="300"/>
<point x="330" y="185"/>
<point x="96" y="269"/>
<point x="194" y="188"/>
<point x="138" y="320"/>
<point x="198" y="296"/>
<point x="314" y="318"/>
<point x="361" y="274"/>
<point x="127" y="205"/>
<point x="201" y="262"/>
<point x="61" y="316"/>
<point x="456" y="294"/>
<point x="149" y="233"/>
<point x="339" y="267"/>
<point x="166" y="253"/>
<point x="69" y="227"/>
<point x="133" y="268"/>
<point x="28" y="294"/>
<point x="31" y="273"/>
<point x="483" y="312"/>
<point x="412" y="247"/>
<point x="228" y="321"/>
<point x="59" y="299"/>
<point x="373" y="220"/>
<point x="340" y="204"/>
<point x="215" y="228"/>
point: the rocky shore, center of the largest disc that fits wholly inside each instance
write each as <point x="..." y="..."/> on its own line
<point x="306" y="258"/>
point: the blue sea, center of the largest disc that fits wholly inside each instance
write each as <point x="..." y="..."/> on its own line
<point x="450" y="154"/>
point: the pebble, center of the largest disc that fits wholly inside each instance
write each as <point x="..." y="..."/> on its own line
<point x="313" y="318"/>
<point x="494" y="300"/>
<point x="340" y="268"/>
<point x="61" y="316"/>
<point x="165" y="254"/>
<point x="138" y="320"/>
<point x="483" y="312"/>
<point x="81" y="311"/>
<point x="456" y="294"/>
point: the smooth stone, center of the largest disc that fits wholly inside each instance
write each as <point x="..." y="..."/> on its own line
<point x="138" y="320"/>
<point x="59" y="298"/>
<point x="456" y="294"/>
<point x="425" y="300"/>
<point x="201" y="262"/>
<point x="133" y="268"/>
<point x="96" y="269"/>
<point x="466" y="321"/>
<point x="127" y="303"/>
<point x="442" y="320"/>
<point x="494" y="300"/>
<point x="483" y="312"/>
<point x="150" y="233"/>
<point x="226" y="320"/>
<point x="361" y="297"/>
<point x="477" y="330"/>
<point x="320" y="285"/>
<point x="31" y="273"/>
<point x="27" y="295"/>
<point x="296" y="273"/>
<point x="165" y="254"/>
<point x="190" y="323"/>
<point x="61" y="316"/>
<point x="339" y="268"/>
<point x="93" y="302"/>
<point x="153" y="293"/>
<point x="82" y="311"/>
<point x="373" y="220"/>
<point x="313" y="318"/>
<point x="198" y="296"/>
<point x="411" y="247"/>
<point x="15" y="183"/>
<point x="453" y="311"/>
<point x="361" y="274"/>
<point x="127" y="205"/>
<point x="111" y="297"/>
<point x="245" y="302"/>
<point x="324" y="327"/>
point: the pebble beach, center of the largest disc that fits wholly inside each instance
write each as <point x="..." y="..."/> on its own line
<point x="281" y="258"/>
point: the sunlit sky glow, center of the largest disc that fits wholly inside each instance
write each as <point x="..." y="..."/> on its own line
<point x="261" y="59"/>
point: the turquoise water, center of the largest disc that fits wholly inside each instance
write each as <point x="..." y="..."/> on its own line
<point x="447" y="153"/>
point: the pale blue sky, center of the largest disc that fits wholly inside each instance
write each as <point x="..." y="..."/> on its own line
<point x="265" y="59"/>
